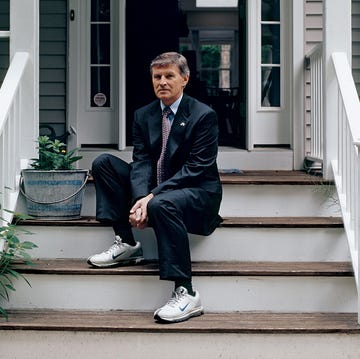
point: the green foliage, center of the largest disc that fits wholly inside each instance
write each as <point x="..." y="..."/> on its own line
<point x="210" y="56"/>
<point x="53" y="155"/>
<point x="14" y="252"/>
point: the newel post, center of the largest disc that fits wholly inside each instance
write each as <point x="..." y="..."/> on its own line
<point x="336" y="38"/>
<point x="24" y="37"/>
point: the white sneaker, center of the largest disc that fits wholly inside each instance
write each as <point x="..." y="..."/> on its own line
<point x="180" y="307"/>
<point x="118" y="253"/>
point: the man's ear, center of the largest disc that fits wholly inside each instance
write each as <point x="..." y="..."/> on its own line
<point x="185" y="80"/>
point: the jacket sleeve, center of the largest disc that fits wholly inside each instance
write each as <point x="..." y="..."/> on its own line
<point x="141" y="176"/>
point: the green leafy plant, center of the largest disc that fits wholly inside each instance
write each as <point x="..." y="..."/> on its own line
<point x="14" y="252"/>
<point x="53" y="155"/>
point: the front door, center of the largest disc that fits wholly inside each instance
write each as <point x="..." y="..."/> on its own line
<point x="269" y="69"/>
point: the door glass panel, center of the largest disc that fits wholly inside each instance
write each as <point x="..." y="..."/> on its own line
<point x="270" y="10"/>
<point x="100" y="10"/>
<point x="270" y="86"/>
<point x="100" y="86"/>
<point x="100" y="44"/>
<point x="270" y="44"/>
<point x="270" y="53"/>
<point x="100" y="51"/>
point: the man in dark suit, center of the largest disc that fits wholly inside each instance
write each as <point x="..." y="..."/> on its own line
<point x="172" y="184"/>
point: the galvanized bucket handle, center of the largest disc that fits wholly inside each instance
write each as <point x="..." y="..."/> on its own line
<point x="22" y="190"/>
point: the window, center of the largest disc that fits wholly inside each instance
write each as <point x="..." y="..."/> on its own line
<point x="100" y="55"/>
<point x="270" y="53"/>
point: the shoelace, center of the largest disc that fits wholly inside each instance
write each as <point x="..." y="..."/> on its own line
<point x="175" y="299"/>
<point x="114" y="246"/>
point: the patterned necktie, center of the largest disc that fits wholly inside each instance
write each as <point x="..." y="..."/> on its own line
<point x="166" y="126"/>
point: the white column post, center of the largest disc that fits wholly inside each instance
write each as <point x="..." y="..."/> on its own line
<point x="24" y="36"/>
<point x="298" y="127"/>
<point x="336" y="38"/>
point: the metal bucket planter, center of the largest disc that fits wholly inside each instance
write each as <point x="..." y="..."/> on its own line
<point x="53" y="195"/>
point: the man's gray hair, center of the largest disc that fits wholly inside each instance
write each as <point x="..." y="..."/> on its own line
<point x="171" y="58"/>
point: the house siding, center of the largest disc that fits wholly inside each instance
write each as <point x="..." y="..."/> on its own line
<point x="53" y="55"/>
<point x="53" y="64"/>
<point x="313" y="36"/>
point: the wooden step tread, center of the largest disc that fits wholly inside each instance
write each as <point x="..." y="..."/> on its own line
<point x="255" y="222"/>
<point x="273" y="178"/>
<point x="123" y="321"/>
<point x="267" y="178"/>
<point x="78" y="266"/>
<point x="287" y="222"/>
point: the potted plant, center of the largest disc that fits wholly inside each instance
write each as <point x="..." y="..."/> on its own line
<point x="53" y="188"/>
<point x="13" y="252"/>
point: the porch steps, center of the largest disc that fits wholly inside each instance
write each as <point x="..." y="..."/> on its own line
<point x="213" y="269"/>
<point x="269" y="159"/>
<point x="278" y="266"/>
<point x="251" y="222"/>
<point x="247" y="286"/>
<point x="131" y="321"/>
<point x="51" y="334"/>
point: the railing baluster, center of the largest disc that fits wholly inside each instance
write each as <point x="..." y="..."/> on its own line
<point x="316" y="113"/>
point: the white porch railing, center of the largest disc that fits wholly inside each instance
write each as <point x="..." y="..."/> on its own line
<point x="12" y="125"/>
<point x="346" y="165"/>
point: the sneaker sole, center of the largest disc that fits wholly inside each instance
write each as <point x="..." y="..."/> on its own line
<point x="195" y="313"/>
<point x="135" y="260"/>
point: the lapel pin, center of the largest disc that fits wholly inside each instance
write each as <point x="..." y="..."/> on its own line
<point x="182" y="124"/>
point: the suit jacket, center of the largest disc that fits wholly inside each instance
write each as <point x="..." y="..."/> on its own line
<point x="191" y="153"/>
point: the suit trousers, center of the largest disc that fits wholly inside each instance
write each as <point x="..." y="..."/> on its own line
<point x="172" y="214"/>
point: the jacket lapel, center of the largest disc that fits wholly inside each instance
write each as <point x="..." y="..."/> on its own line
<point x="178" y="128"/>
<point x="177" y="132"/>
<point x="154" y="126"/>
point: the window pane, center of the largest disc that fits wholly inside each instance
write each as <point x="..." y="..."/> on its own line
<point x="270" y="44"/>
<point x="100" y="44"/>
<point x="210" y="56"/>
<point x="4" y="15"/>
<point x="270" y="10"/>
<point x="100" y="87"/>
<point x="100" y="10"/>
<point x="270" y="86"/>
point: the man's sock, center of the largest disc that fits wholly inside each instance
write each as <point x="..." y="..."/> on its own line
<point x="186" y="283"/>
<point x="125" y="233"/>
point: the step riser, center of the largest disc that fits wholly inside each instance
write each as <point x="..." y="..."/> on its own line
<point x="241" y="244"/>
<point x="219" y="294"/>
<point x="272" y="201"/>
<point x="227" y="158"/>
<point x="60" y="345"/>
<point x="260" y="200"/>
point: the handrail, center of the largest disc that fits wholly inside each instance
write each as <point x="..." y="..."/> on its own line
<point x="346" y="165"/>
<point x="12" y="119"/>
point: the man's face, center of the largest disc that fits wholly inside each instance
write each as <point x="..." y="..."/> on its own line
<point x="168" y="83"/>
